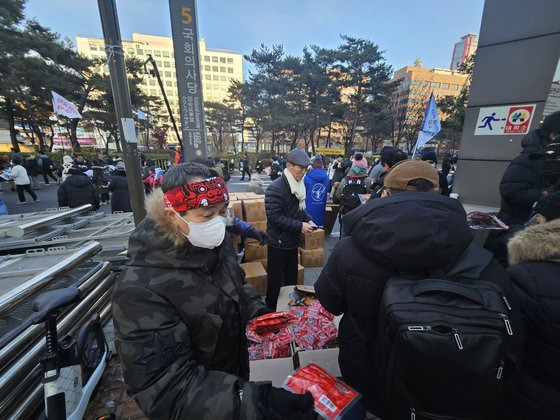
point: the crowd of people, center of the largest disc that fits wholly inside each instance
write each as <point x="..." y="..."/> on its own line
<point x="433" y="325"/>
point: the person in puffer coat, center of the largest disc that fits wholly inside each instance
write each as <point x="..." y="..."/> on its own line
<point x="534" y="257"/>
<point x="524" y="180"/>
<point x="180" y="310"/>
<point x="120" y="197"/>
<point x="409" y="229"/>
<point x="77" y="190"/>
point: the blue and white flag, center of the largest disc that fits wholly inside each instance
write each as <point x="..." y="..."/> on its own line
<point x="430" y="125"/>
<point x="142" y="115"/>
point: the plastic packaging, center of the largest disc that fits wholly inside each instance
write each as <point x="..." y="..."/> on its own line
<point x="332" y="397"/>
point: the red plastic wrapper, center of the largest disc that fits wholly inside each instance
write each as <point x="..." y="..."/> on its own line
<point x="271" y="322"/>
<point x="256" y="352"/>
<point x="332" y="397"/>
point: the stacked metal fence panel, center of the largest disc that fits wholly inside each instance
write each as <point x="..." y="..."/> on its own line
<point x="46" y="251"/>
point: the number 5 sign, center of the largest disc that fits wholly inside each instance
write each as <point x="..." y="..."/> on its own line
<point x="189" y="83"/>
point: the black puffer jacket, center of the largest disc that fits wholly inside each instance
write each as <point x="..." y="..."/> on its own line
<point x="76" y="191"/>
<point x="523" y="181"/>
<point x="411" y="232"/>
<point x="284" y="215"/>
<point x="535" y="252"/>
<point x="120" y="197"/>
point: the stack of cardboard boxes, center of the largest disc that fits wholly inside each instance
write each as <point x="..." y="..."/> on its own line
<point x="312" y="249"/>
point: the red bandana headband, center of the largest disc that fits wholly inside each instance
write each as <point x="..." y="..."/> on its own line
<point x="208" y="192"/>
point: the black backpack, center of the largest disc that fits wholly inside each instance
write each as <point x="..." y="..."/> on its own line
<point x="349" y="199"/>
<point x="443" y="345"/>
<point x="275" y="171"/>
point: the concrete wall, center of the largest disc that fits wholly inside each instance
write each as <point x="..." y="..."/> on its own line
<point x="518" y="51"/>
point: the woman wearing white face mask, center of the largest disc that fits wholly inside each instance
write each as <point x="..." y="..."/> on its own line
<point x="181" y="306"/>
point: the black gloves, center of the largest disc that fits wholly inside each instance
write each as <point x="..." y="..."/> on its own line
<point x="282" y="404"/>
<point x="259" y="235"/>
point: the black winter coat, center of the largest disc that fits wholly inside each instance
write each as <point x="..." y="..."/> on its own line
<point x="535" y="252"/>
<point x="284" y="215"/>
<point x="120" y="197"/>
<point x="76" y="191"/>
<point x="523" y="182"/>
<point x="413" y="232"/>
<point x="32" y="167"/>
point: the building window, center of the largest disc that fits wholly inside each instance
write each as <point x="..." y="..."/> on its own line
<point x="207" y="67"/>
<point x="166" y="54"/>
<point x="454" y="87"/>
<point x="152" y="92"/>
<point x="216" y="87"/>
<point x="415" y="82"/>
<point x="208" y="77"/>
<point x="223" y="78"/>
<point x="426" y="83"/>
<point x="148" y="52"/>
<point x="174" y="75"/>
<point x="167" y="64"/>
<point x="405" y="84"/>
<point x="172" y="55"/>
<point x="152" y="82"/>
<point x="445" y="85"/>
<point x="169" y="92"/>
<point x="158" y="63"/>
<point x="93" y="47"/>
<point x="214" y="59"/>
<point x="214" y="68"/>
<point x="139" y="51"/>
<point x="222" y="59"/>
<point x="157" y="53"/>
<point x="207" y="58"/>
<point x="216" y="78"/>
<point x="222" y="69"/>
<point x="167" y="73"/>
<point x="230" y="60"/>
<point x="230" y="70"/>
<point x="168" y="83"/>
<point x="435" y="85"/>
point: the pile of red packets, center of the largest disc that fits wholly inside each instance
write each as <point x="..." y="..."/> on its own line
<point x="271" y="335"/>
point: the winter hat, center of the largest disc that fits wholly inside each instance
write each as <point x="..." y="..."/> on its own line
<point x="67" y="160"/>
<point x="549" y="206"/>
<point x="357" y="171"/>
<point x="406" y="170"/>
<point x="429" y="155"/>
<point x="551" y="123"/>
<point x="151" y="168"/>
<point x="360" y="161"/>
<point x="298" y="157"/>
<point x="550" y="152"/>
<point x="74" y="170"/>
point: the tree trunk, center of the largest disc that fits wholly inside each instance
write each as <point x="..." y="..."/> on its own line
<point x="73" y="136"/>
<point x="51" y="138"/>
<point x="11" y="124"/>
<point x="328" y="140"/>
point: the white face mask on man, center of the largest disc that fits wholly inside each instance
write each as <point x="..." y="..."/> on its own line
<point x="209" y="234"/>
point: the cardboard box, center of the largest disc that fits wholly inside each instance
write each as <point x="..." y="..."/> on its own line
<point x="274" y="370"/>
<point x="262" y="225"/>
<point x="255" y="251"/>
<point x="232" y="197"/>
<point x="300" y="274"/>
<point x="326" y="358"/>
<point x="235" y="209"/>
<point x="255" y="274"/>
<point x="330" y="218"/>
<point x="314" y="240"/>
<point x="254" y="211"/>
<point x="312" y="257"/>
<point x="246" y="196"/>
<point x="264" y="263"/>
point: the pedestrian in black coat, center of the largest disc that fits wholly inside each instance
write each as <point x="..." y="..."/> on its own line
<point x="287" y="220"/>
<point x="404" y="231"/>
<point x="77" y="190"/>
<point x="524" y="180"/>
<point x="534" y="257"/>
<point x="120" y="197"/>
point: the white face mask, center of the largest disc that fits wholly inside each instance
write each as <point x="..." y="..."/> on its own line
<point x="208" y="234"/>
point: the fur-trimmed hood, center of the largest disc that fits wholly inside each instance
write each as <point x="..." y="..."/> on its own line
<point x="155" y="210"/>
<point x="536" y="243"/>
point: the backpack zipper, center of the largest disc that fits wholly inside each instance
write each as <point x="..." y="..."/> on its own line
<point x="457" y="338"/>
<point x="500" y="370"/>
<point x="507" y="323"/>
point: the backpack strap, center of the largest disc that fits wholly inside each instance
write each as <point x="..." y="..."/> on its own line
<point x="472" y="263"/>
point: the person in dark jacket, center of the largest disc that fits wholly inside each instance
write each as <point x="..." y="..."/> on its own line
<point x="31" y="165"/>
<point x="409" y="229"/>
<point x="524" y="180"/>
<point x="430" y="156"/>
<point x="317" y="186"/>
<point x="120" y="197"/>
<point x="47" y="167"/>
<point x="77" y="190"/>
<point x="246" y="167"/>
<point x="534" y="257"/>
<point x="180" y="310"/>
<point x="287" y="220"/>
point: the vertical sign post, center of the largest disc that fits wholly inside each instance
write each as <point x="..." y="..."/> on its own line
<point x="187" y="65"/>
